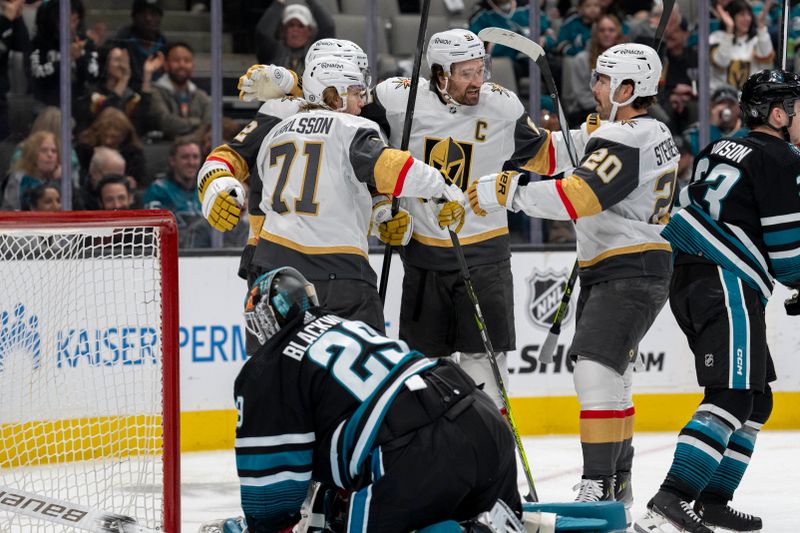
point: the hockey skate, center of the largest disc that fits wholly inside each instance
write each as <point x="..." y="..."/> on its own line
<point x="598" y="489"/>
<point x="720" y="515"/>
<point x="666" y="509"/>
<point x="623" y="492"/>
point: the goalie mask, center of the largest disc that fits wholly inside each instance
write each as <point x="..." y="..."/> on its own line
<point x="343" y="49"/>
<point x="327" y="71"/>
<point x="635" y="62"/>
<point x="277" y="297"/>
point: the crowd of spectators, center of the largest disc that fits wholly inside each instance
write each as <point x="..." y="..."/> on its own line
<point x="136" y="88"/>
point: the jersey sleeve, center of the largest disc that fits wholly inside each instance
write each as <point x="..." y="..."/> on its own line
<point x="779" y="209"/>
<point x="273" y="453"/>
<point x="609" y="171"/>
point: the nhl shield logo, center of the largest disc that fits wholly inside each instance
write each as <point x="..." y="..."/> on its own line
<point x="545" y="290"/>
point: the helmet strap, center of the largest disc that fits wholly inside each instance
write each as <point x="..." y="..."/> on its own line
<point x="444" y="94"/>
<point x="616" y="105"/>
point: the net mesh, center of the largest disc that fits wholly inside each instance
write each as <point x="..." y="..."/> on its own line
<point x="81" y="370"/>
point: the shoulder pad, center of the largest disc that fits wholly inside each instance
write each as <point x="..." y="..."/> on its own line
<point x="281" y="107"/>
<point x="393" y="92"/>
<point x="624" y="132"/>
<point x="499" y="102"/>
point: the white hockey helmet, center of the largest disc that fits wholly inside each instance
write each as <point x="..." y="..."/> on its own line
<point x="453" y="46"/>
<point x="630" y="61"/>
<point x="344" y="49"/>
<point x="328" y="71"/>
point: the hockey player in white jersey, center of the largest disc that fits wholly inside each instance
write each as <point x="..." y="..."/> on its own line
<point x="318" y="168"/>
<point x="465" y="127"/>
<point x="619" y="196"/>
<point x="234" y="162"/>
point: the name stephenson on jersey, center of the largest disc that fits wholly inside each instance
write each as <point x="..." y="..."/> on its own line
<point x="310" y="404"/>
<point x="464" y="143"/>
<point x="619" y="196"/>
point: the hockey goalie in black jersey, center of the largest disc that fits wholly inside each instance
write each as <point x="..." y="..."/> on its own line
<point x="737" y="233"/>
<point x="325" y="399"/>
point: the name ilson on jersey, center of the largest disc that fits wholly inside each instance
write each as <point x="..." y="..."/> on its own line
<point x="307" y="125"/>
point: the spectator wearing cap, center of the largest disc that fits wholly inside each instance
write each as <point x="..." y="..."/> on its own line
<point x="143" y="38"/>
<point x="284" y="33"/>
<point x="742" y="47"/>
<point x="178" y="106"/>
<point x="725" y="120"/>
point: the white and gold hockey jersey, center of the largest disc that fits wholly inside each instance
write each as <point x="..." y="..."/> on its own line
<point x="464" y="143"/>
<point x="318" y="169"/>
<point x="620" y="197"/>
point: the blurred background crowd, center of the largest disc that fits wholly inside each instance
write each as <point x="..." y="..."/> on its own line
<point x="142" y="79"/>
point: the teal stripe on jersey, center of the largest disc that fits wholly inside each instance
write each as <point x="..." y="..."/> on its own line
<point x="782" y="237"/>
<point x="688" y="231"/>
<point x="358" y="518"/>
<point x="738" y="322"/>
<point x="266" y="461"/>
<point x="274" y="502"/>
<point x="786" y="266"/>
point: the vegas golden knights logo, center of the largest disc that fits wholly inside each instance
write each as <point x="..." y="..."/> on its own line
<point x="450" y="157"/>
<point x="738" y="72"/>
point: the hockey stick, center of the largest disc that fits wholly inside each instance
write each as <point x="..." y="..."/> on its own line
<point x="535" y="52"/>
<point x="784" y="35"/>
<point x="412" y="100"/>
<point x="66" y="513"/>
<point x="487" y="343"/>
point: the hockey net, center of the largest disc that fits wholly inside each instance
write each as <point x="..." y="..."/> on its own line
<point x="89" y="364"/>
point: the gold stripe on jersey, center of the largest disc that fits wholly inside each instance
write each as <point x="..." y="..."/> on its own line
<point x="256" y="223"/>
<point x="312" y="250"/>
<point x="581" y="196"/>
<point x="541" y="162"/>
<point x="627" y="427"/>
<point x="601" y="430"/>
<point x="241" y="170"/>
<point x="388" y="168"/>
<point x="635" y="249"/>
<point x="471" y="239"/>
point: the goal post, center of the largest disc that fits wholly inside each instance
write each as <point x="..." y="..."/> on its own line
<point x="89" y="385"/>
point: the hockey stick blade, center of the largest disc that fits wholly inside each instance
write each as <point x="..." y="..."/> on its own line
<point x="512" y="40"/>
<point x="66" y="513"/>
<point x="549" y="347"/>
<point x="535" y="52"/>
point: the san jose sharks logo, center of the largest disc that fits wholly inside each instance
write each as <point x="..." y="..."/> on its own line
<point x="19" y="334"/>
<point x="545" y="290"/>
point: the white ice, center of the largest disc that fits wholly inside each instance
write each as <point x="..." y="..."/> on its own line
<point x="769" y="489"/>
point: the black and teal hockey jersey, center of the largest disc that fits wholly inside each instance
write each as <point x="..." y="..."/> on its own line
<point x="742" y="210"/>
<point x="311" y="403"/>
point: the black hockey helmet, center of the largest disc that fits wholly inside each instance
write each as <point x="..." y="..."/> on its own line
<point x="276" y="298"/>
<point x="767" y="88"/>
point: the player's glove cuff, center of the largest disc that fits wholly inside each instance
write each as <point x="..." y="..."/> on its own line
<point x="394" y="230"/>
<point x="223" y="199"/>
<point x="265" y="82"/>
<point x="493" y="192"/>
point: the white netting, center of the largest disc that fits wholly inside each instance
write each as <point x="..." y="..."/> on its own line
<point x="81" y="370"/>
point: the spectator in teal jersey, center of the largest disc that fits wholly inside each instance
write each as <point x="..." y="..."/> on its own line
<point x="577" y="28"/>
<point x="506" y="14"/>
<point x="177" y="192"/>
<point x="726" y="120"/>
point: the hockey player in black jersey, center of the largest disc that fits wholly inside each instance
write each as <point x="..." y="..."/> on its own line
<point x="331" y="400"/>
<point x="737" y="233"/>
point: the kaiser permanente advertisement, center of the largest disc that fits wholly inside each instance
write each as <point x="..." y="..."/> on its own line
<point x="543" y="399"/>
